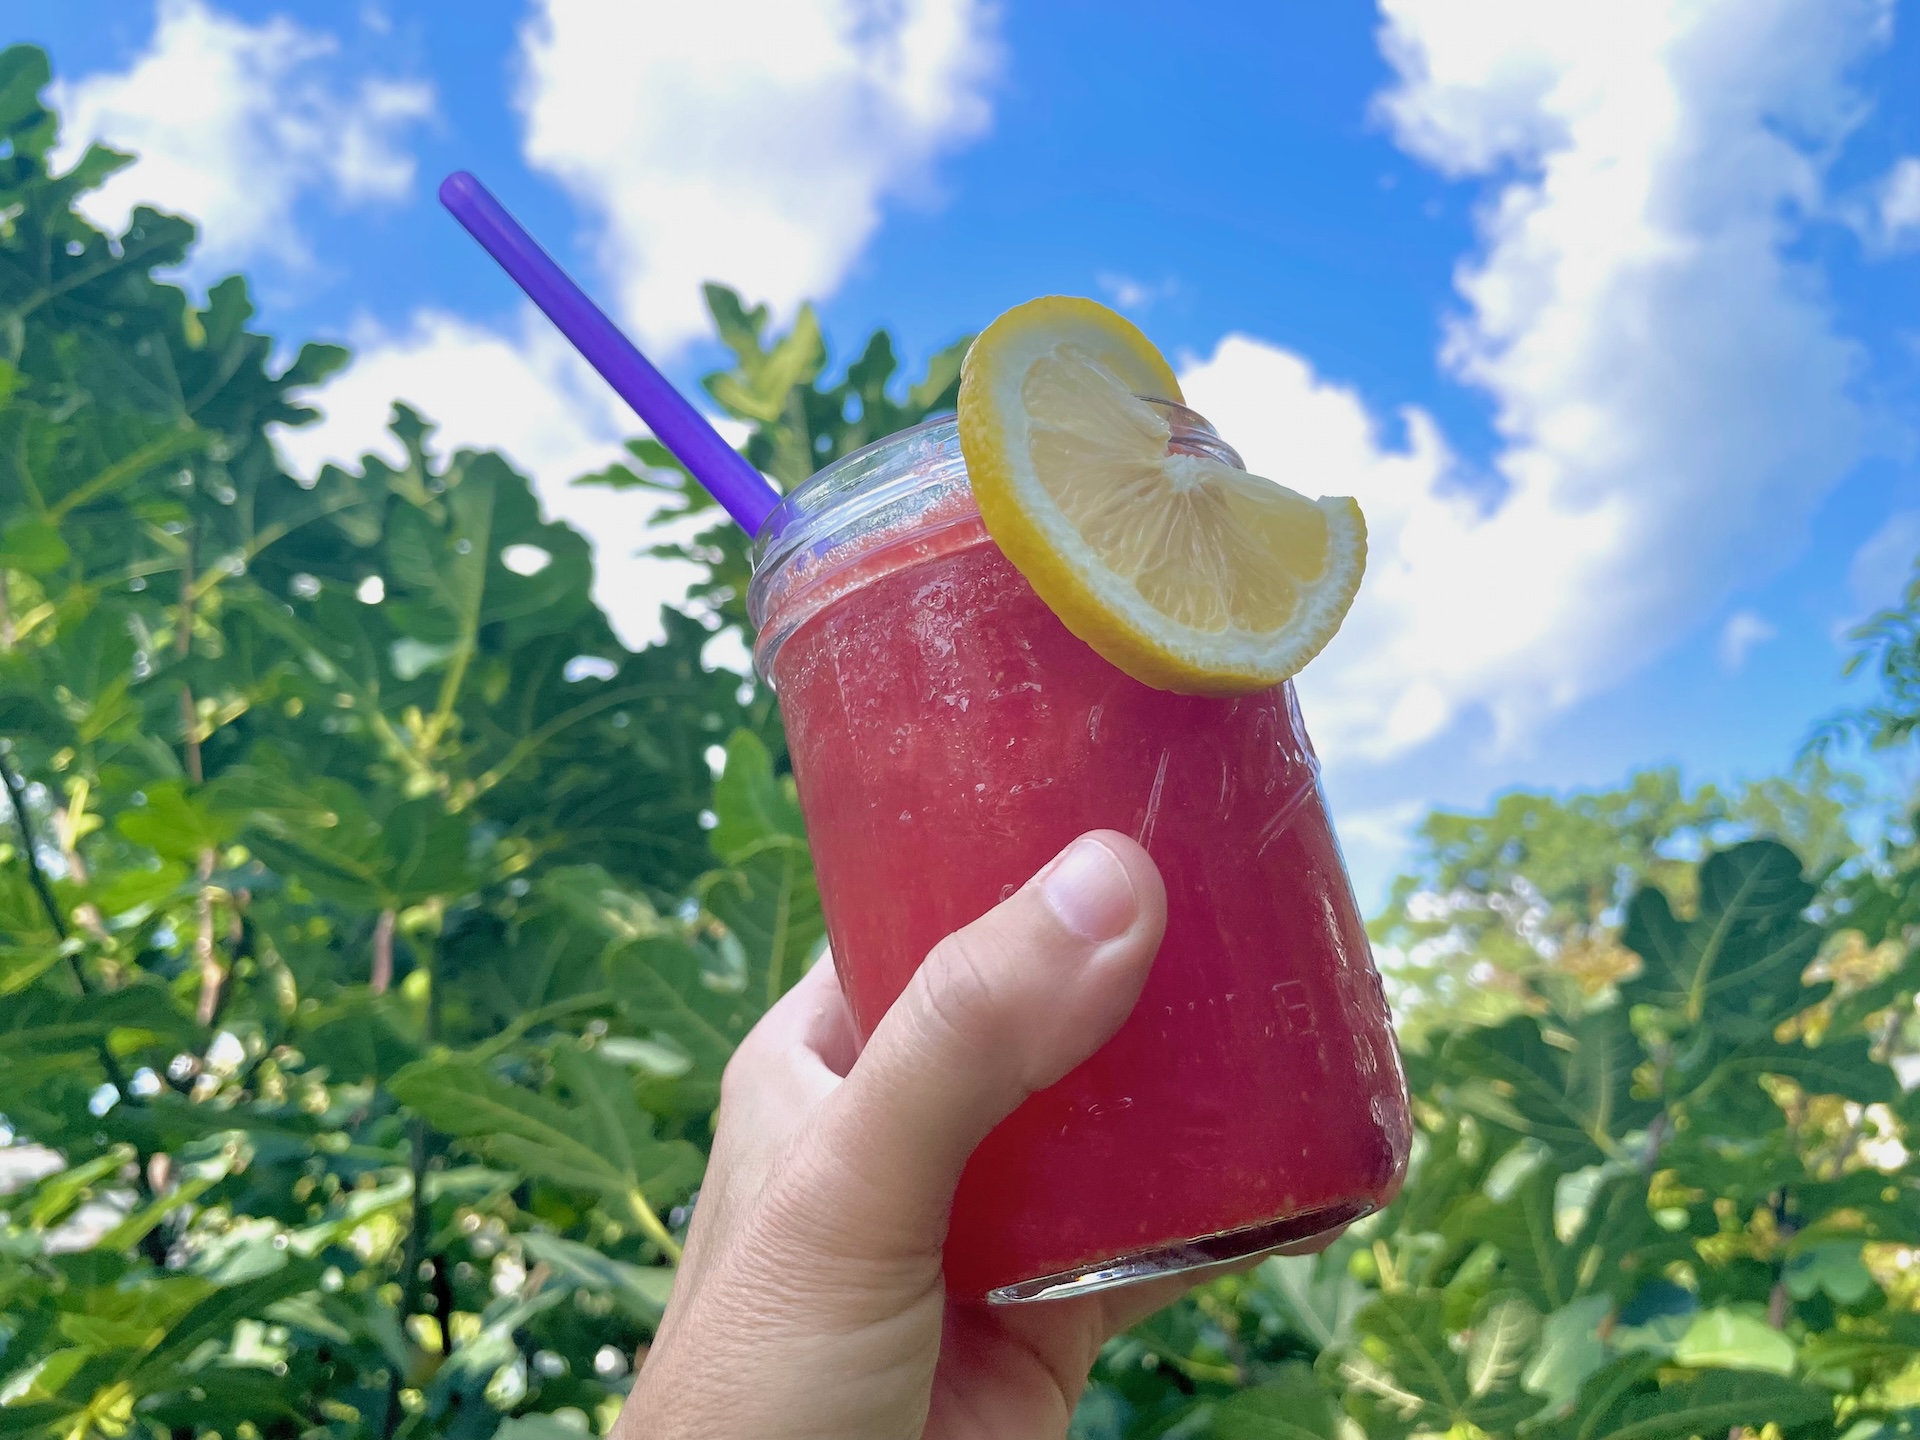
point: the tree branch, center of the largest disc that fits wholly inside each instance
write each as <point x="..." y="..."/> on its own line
<point x="381" y="976"/>
<point x="418" y="1233"/>
<point x="182" y="649"/>
<point x="413" y="1254"/>
<point x="212" y="973"/>
<point x="17" y="798"/>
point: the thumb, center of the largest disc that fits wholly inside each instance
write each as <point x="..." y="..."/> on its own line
<point x="1000" y="1009"/>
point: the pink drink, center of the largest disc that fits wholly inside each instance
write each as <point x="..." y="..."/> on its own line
<point x="949" y="736"/>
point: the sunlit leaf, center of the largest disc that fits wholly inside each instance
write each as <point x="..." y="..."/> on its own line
<point x="1728" y="1339"/>
<point x="1629" y="1401"/>
<point x="602" y="1142"/>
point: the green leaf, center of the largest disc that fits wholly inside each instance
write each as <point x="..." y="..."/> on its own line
<point x="315" y="363"/>
<point x="216" y="1315"/>
<point x="132" y="889"/>
<point x="1727" y="1339"/>
<point x="1100" y="1415"/>
<point x="21" y="965"/>
<point x="96" y="164"/>
<point x="44" y="1379"/>
<point x="24" y="73"/>
<point x="1742" y="953"/>
<point x="739" y="328"/>
<point x="1500" y="1338"/>
<point x="495" y="1345"/>
<point x="767" y="897"/>
<point x="440" y="565"/>
<point x="228" y="1396"/>
<point x="1626" y="1401"/>
<point x="650" y="1057"/>
<point x="1570" y="1086"/>
<point x="1522" y="1229"/>
<point x="770" y="903"/>
<point x="1570" y="1351"/>
<point x="1316" y="1293"/>
<point x="659" y="470"/>
<point x="662" y="985"/>
<point x="1289" y="1406"/>
<point x="32" y="946"/>
<point x="1402" y="1366"/>
<point x="118" y="1318"/>
<point x="585" y="895"/>
<point x="45" y="1023"/>
<point x="1867" y="1354"/>
<point x="751" y="803"/>
<point x="759" y="387"/>
<point x="536" y="1426"/>
<point x="411" y="658"/>
<point x="1834" y="1267"/>
<point x="56" y="1197"/>
<point x="356" y="1037"/>
<point x="415" y="771"/>
<point x="174" y="824"/>
<point x="641" y="1291"/>
<point x="603" y="1143"/>
<point x="611" y="1121"/>
<point x="939" y="390"/>
<point x="323" y="831"/>
<point x="465" y="1100"/>
<point x="32" y="546"/>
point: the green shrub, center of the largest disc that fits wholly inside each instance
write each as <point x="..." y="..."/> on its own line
<point x="370" y="967"/>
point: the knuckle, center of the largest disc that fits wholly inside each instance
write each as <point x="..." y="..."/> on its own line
<point x="963" y="984"/>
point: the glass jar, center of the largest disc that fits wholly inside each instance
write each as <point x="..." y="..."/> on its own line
<point x="948" y="737"/>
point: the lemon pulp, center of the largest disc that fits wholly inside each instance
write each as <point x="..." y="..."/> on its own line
<point x="1184" y="571"/>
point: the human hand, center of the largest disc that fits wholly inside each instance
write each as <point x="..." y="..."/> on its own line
<point x="809" y="1302"/>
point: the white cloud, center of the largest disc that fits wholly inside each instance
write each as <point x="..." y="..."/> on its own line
<point x="754" y="148"/>
<point x="1900" y="202"/>
<point x="1883" y="566"/>
<point x="1738" y="637"/>
<point x="1671" y="399"/>
<point x="233" y="123"/>
<point x="1128" y="293"/>
<point x="750" y="143"/>
<point x="1374" y="691"/>
<point x="527" y="394"/>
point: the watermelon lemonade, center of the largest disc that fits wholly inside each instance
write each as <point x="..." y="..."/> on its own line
<point x="948" y="737"/>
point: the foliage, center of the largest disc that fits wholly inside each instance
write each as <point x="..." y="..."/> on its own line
<point x="1888" y="646"/>
<point x="1521" y="907"/>
<point x="372" y="928"/>
<point x="373" y="933"/>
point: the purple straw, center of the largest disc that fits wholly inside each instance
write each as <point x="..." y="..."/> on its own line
<point x="739" y="488"/>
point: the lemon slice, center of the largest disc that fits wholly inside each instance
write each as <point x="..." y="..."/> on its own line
<point x="1182" y="570"/>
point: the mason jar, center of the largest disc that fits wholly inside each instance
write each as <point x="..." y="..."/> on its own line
<point x="948" y="737"/>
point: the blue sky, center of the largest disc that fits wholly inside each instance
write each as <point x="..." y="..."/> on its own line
<point x="1610" y="315"/>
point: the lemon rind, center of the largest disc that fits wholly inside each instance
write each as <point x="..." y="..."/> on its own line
<point x="1098" y="606"/>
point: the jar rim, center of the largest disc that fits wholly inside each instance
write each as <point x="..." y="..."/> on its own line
<point x="913" y="480"/>
<point x="787" y="526"/>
